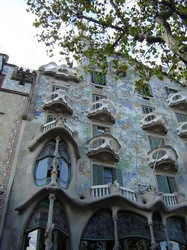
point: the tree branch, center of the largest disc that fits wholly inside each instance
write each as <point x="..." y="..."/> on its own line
<point x="104" y="24"/>
<point x="116" y="42"/>
<point x="150" y="39"/>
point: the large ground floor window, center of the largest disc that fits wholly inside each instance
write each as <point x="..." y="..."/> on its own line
<point x="125" y="244"/>
<point x="35" y="240"/>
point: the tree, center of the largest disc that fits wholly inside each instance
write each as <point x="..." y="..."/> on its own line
<point x="151" y="31"/>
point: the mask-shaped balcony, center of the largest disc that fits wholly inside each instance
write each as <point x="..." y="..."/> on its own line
<point x="62" y="72"/>
<point x="163" y="158"/>
<point x="155" y="123"/>
<point x="102" y="111"/>
<point x="178" y="100"/>
<point x="182" y="130"/>
<point x="58" y="101"/>
<point x="103" y="148"/>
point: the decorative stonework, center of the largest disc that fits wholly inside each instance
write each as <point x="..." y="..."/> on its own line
<point x="155" y="123"/>
<point x="62" y="72"/>
<point x="10" y="155"/>
<point x="24" y="76"/>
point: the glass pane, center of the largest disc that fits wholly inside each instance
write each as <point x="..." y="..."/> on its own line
<point x="41" y="168"/>
<point x="35" y="240"/>
<point x="59" y="241"/>
<point x="97" y="97"/>
<point x="107" y="176"/>
<point x="156" y="142"/>
<point x="163" y="184"/>
<point x="181" y="117"/>
<point x="98" y="78"/>
<point x="63" y="172"/>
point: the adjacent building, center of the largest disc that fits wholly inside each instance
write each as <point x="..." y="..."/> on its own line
<point x="86" y="162"/>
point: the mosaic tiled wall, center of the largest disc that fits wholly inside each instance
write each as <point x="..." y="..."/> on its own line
<point x="127" y="130"/>
<point x="12" y="107"/>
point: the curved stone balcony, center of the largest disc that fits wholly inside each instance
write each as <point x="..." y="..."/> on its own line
<point x="155" y="123"/>
<point x="163" y="158"/>
<point x="178" y="100"/>
<point x="103" y="148"/>
<point x="62" y="72"/>
<point x="59" y="101"/>
<point x="102" y="111"/>
<point x="182" y="130"/>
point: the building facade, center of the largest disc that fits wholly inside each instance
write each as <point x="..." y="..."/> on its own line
<point x="88" y="163"/>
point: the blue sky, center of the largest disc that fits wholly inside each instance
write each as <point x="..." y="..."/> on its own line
<point x="17" y="37"/>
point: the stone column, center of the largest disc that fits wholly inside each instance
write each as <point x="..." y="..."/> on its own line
<point x="54" y="171"/>
<point x="154" y="245"/>
<point x="114" y="217"/>
<point x="50" y="225"/>
<point x="169" y="246"/>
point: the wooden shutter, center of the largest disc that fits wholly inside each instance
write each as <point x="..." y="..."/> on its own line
<point x="163" y="184"/>
<point x="172" y="184"/>
<point x="98" y="174"/>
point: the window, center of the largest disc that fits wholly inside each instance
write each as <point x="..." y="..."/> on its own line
<point x="156" y="142"/>
<point x="104" y="175"/>
<point x="166" y="184"/>
<point x="181" y="117"/>
<point x="55" y="88"/>
<point x="44" y="165"/>
<point x="170" y="91"/>
<point x="147" y="109"/>
<point x="145" y="91"/>
<point x="100" y="130"/>
<point x="50" y="118"/>
<point x="96" y="97"/>
<point x="36" y="240"/>
<point x="98" y="78"/>
<point x="35" y="231"/>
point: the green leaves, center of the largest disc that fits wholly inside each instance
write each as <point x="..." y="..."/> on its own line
<point x="99" y="30"/>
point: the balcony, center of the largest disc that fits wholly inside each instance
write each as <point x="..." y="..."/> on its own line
<point x="102" y="111"/>
<point x="170" y="199"/>
<point x="62" y="72"/>
<point x="103" y="148"/>
<point x="182" y="130"/>
<point x="58" y="101"/>
<point x="155" y="123"/>
<point x="178" y="100"/>
<point x="104" y="190"/>
<point x="163" y="158"/>
<point x="58" y="122"/>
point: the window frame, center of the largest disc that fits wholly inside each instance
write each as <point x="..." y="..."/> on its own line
<point x="97" y="83"/>
<point x="144" y="107"/>
<point x="98" y="177"/>
<point x="100" y="97"/>
<point x="170" y="183"/>
<point x="63" y="163"/>
<point x="102" y="126"/>
<point x="171" y="90"/>
<point x="179" y="115"/>
<point x="142" y="92"/>
<point x="157" y="137"/>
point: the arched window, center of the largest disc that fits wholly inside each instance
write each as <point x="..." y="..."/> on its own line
<point x="35" y="231"/>
<point x="46" y="161"/>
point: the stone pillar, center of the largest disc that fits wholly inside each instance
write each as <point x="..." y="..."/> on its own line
<point x="114" y="217"/>
<point x="54" y="172"/>
<point x="154" y="245"/>
<point x="50" y="225"/>
<point x="169" y="246"/>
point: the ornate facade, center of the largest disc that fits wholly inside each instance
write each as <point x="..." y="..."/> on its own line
<point x="88" y="163"/>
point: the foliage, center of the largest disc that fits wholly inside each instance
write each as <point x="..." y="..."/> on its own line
<point x="152" y="32"/>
